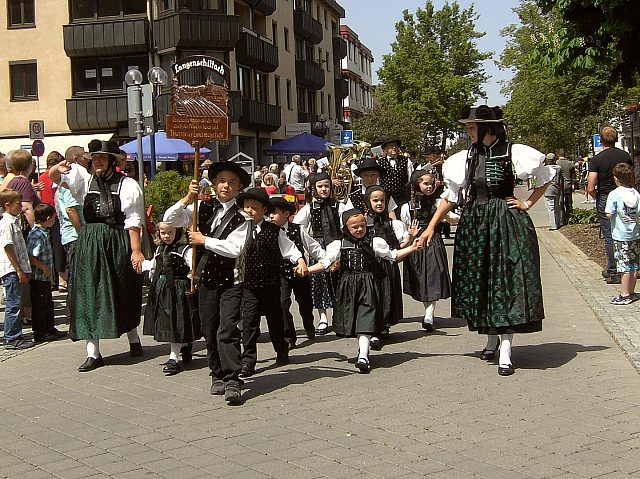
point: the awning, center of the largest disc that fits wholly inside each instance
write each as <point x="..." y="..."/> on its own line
<point x="58" y="143"/>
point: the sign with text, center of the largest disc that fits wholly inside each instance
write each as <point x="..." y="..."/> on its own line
<point x="346" y="137"/>
<point x="293" y="129"/>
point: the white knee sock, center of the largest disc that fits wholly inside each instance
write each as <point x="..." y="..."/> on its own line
<point x="505" y="349"/>
<point x="175" y="351"/>
<point x="323" y="316"/>
<point x="93" y="348"/>
<point x="132" y="336"/>
<point x="492" y="342"/>
<point x="429" y="309"/>
<point x="364" y="341"/>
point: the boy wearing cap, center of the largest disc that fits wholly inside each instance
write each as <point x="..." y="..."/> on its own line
<point x="265" y="254"/>
<point x="224" y="230"/>
<point x="397" y="170"/>
<point x="370" y="173"/>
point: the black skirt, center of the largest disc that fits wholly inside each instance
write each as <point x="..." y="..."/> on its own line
<point x="391" y="293"/>
<point x="357" y="305"/>
<point x="426" y="273"/>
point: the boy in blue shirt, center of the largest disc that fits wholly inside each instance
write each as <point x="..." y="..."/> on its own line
<point x="622" y="210"/>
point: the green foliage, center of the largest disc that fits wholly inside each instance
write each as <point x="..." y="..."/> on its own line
<point x="434" y="69"/>
<point x="165" y="190"/>
<point x="583" y="217"/>
<point x="380" y="123"/>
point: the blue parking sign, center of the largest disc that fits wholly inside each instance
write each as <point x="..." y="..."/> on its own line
<point x="596" y="141"/>
<point x="346" y="137"/>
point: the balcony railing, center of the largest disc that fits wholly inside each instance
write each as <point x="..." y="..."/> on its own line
<point x="307" y="27"/>
<point x="199" y="30"/>
<point x="309" y="75"/>
<point x="265" y="6"/>
<point x="119" y="37"/>
<point x="254" y="51"/>
<point x="97" y="112"/>
<point x="341" y="86"/>
<point x="257" y="115"/>
<point x="339" y="47"/>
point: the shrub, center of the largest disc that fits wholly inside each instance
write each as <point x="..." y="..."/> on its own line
<point x="583" y="217"/>
<point x="165" y="190"/>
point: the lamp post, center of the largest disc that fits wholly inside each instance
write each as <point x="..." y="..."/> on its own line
<point x="133" y="78"/>
<point x="157" y="78"/>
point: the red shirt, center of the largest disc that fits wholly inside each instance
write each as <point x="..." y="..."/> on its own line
<point x="47" y="195"/>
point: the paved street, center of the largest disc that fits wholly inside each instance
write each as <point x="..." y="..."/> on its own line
<point x="429" y="408"/>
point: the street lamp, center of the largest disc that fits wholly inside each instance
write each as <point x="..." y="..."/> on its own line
<point x="157" y="78"/>
<point x="133" y="78"/>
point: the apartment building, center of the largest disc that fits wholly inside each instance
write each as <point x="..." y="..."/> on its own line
<point x="67" y="61"/>
<point x="356" y="71"/>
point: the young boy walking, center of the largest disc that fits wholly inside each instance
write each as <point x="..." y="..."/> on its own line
<point x="622" y="210"/>
<point x="14" y="268"/>
<point x="41" y="259"/>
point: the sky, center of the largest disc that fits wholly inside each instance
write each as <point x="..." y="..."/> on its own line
<point x="374" y="22"/>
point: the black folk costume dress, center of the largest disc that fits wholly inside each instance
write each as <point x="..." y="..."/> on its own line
<point x="358" y="308"/>
<point x="397" y="172"/>
<point x="394" y="233"/>
<point x="321" y="219"/>
<point x="425" y="272"/>
<point x="496" y="262"/>
<point x="167" y="316"/>
<point x="106" y="295"/>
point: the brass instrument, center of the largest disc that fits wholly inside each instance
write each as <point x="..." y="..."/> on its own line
<point x="340" y="159"/>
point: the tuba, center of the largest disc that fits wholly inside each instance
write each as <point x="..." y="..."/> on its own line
<point x="340" y="159"/>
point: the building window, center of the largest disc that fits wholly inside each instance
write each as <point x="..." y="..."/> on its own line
<point x="322" y="102"/>
<point x="202" y="5"/>
<point x="21" y="14"/>
<point x="286" y="39"/>
<point x="299" y="49"/>
<point x="320" y="55"/>
<point x="244" y="81"/>
<point x="262" y="87"/>
<point x="104" y="75"/>
<point x="302" y="104"/>
<point x="318" y="13"/>
<point x="274" y="34"/>
<point x="94" y="9"/>
<point x="24" y="80"/>
<point x="289" y="95"/>
<point x="327" y="59"/>
<point x="311" y="96"/>
<point x="277" y="90"/>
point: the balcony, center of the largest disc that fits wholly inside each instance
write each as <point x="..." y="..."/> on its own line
<point x="97" y="112"/>
<point x="266" y="7"/>
<point x="259" y="116"/>
<point x="341" y="86"/>
<point x="201" y="30"/>
<point x="119" y="37"/>
<point x="339" y="48"/>
<point x="309" y="75"/>
<point x="253" y="51"/>
<point x="307" y="27"/>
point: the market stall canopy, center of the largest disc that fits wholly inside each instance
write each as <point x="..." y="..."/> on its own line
<point x="304" y="144"/>
<point x="167" y="149"/>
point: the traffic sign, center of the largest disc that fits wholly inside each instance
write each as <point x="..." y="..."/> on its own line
<point x="346" y="137"/>
<point x="37" y="149"/>
<point x="596" y="141"/>
<point x="36" y="129"/>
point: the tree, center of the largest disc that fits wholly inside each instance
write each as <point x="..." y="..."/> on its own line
<point x="380" y="123"/>
<point x="435" y="68"/>
<point x="591" y="34"/>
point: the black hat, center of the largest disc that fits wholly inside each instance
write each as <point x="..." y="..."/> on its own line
<point x="216" y="168"/>
<point x="257" y="194"/>
<point x="431" y="150"/>
<point x="390" y="140"/>
<point x="323" y="175"/>
<point x="97" y="147"/>
<point x="283" y="204"/>
<point x="481" y="114"/>
<point x="368" y="164"/>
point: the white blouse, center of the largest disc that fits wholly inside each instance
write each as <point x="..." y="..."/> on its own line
<point x="379" y="245"/>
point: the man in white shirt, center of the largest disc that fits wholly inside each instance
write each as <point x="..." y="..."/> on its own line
<point x="296" y="176"/>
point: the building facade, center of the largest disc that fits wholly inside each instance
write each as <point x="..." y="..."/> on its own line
<point x="67" y="61"/>
<point x="356" y="71"/>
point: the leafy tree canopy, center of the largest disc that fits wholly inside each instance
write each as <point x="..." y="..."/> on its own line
<point x="385" y="122"/>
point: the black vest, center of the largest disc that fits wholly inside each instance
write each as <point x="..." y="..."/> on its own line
<point x="317" y="231"/>
<point x="294" y="234"/>
<point x="384" y="231"/>
<point x="170" y="262"/>
<point x="357" y="199"/>
<point x="395" y="179"/>
<point x="219" y="270"/>
<point x="91" y="208"/>
<point x="264" y="259"/>
<point x="490" y="172"/>
<point x="423" y="209"/>
<point x="353" y="259"/>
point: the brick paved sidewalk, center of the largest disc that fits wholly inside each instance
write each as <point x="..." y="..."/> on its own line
<point x="429" y="408"/>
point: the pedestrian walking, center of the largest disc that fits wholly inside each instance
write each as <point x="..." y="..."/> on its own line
<point x="553" y="193"/>
<point x="568" y="181"/>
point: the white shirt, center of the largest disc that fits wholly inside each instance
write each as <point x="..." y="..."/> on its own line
<point x="78" y="179"/>
<point x="10" y="234"/>
<point x="150" y="264"/>
<point x="311" y="246"/>
<point x="379" y="245"/>
<point x="296" y="176"/>
<point x="303" y="217"/>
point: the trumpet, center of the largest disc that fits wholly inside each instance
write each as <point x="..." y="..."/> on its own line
<point x="340" y="167"/>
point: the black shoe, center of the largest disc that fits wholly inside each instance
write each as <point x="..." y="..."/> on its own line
<point x="363" y="365"/>
<point x="232" y="393"/>
<point x="505" y="370"/>
<point x="18" y="344"/>
<point x="282" y="359"/>
<point x="488" y="354"/>
<point x="90" y="364"/>
<point x="311" y="333"/>
<point x="247" y="370"/>
<point x="321" y="331"/>
<point x="375" y="344"/>
<point x="186" y="352"/>
<point x="428" y="327"/>
<point x="135" y="350"/>
<point x="217" y="387"/>
<point x="605" y="273"/>
<point x="613" y="279"/>
<point x="53" y="335"/>
<point x="385" y="332"/>
<point x="291" y="343"/>
<point x="172" y="367"/>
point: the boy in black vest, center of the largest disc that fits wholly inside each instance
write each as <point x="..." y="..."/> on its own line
<point x="261" y="288"/>
<point x="224" y="231"/>
<point x="370" y="173"/>
<point x="289" y="281"/>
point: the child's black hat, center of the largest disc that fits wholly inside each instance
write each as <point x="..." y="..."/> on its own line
<point x="257" y="194"/>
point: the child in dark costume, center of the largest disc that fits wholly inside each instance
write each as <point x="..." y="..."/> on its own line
<point x="167" y="316"/>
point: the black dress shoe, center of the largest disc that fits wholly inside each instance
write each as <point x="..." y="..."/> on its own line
<point x="135" y="350"/>
<point x="291" y="343"/>
<point x="505" y="370"/>
<point x="363" y="365"/>
<point x="247" y="370"/>
<point x="186" y="352"/>
<point x="282" y="359"/>
<point x="172" y="367"/>
<point x="311" y="333"/>
<point x="428" y="327"/>
<point x="488" y="354"/>
<point x="90" y="364"/>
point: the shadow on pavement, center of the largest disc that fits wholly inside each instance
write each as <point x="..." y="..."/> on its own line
<point x="548" y="355"/>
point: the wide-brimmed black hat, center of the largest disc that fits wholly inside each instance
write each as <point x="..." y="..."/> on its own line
<point x="481" y="114"/>
<point x="431" y="150"/>
<point x="385" y="142"/>
<point x="257" y="194"/>
<point x="216" y="168"/>
<point x="283" y="204"/>
<point x="368" y="164"/>
<point x="99" y="147"/>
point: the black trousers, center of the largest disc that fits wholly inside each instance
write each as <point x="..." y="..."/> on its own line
<point x="301" y="287"/>
<point x="42" y="304"/>
<point x="256" y="303"/>
<point x="219" y="317"/>
<point x="567" y="205"/>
